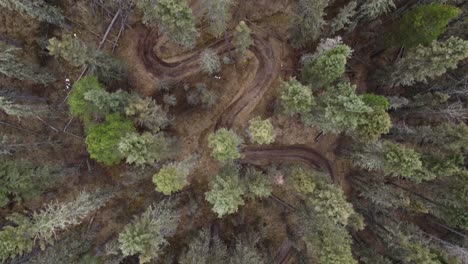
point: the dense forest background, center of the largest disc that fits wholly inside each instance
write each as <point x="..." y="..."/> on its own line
<point x="234" y="131"/>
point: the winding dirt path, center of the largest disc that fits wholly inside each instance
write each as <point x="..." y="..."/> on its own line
<point x="267" y="51"/>
<point x="261" y="155"/>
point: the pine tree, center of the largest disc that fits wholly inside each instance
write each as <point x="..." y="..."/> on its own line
<point x="423" y="63"/>
<point x="146" y="149"/>
<point x="226" y="191"/>
<point x="147" y="234"/>
<point x="308" y="21"/>
<point x="102" y="139"/>
<point x="242" y="39"/>
<point x="173" y="177"/>
<point x="295" y="97"/>
<point x="217" y="12"/>
<point x="174" y="17"/>
<point x="326" y="67"/>
<point x="146" y="112"/>
<point x="257" y="184"/>
<point x="12" y="66"/>
<point x="75" y="52"/>
<point x="344" y="16"/>
<point x="422" y="25"/>
<point x="37" y="9"/>
<point x="225" y="145"/>
<point x="261" y="131"/>
<point x="22" y="180"/>
<point x="205" y="249"/>
<point x="79" y="106"/>
<point x="42" y="226"/>
<point x="376" y="122"/>
<point x="341" y="109"/>
<point x="372" y="9"/>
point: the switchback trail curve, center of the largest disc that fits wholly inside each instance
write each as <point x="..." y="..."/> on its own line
<point x="261" y="155"/>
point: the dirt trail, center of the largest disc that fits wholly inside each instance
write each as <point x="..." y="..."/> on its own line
<point x="261" y="155"/>
<point x="267" y="51"/>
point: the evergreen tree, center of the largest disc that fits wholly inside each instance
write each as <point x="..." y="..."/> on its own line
<point x="423" y="63"/>
<point x="392" y="159"/>
<point x="79" y="106"/>
<point x="295" y="97"/>
<point x="217" y="12"/>
<point x="173" y="177"/>
<point x="146" y="149"/>
<point x="19" y="110"/>
<point x="422" y="25"/>
<point x="102" y="139"/>
<point x="261" y="131"/>
<point x="37" y="9"/>
<point x="376" y="122"/>
<point x="242" y="39"/>
<point x="147" y="234"/>
<point x="106" y="103"/>
<point x="257" y="184"/>
<point x="22" y="180"/>
<point x="201" y="95"/>
<point x="146" y="112"/>
<point x="75" y="52"/>
<point x="225" y="145"/>
<point x="209" y="62"/>
<point x="245" y="252"/>
<point x="205" y="249"/>
<point x="308" y="21"/>
<point x="174" y="17"/>
<point x="326" y="67"/>
<point x="12" y="66"/>
<point x="226" y="191"/>
<point x="340" y="109"/>
<point x="324" y="219"/>
<point x="42" y="226"/>
<point x="344" y="16"/>
<point x="372" y="9"/>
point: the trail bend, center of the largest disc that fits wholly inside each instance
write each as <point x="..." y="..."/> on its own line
<point x="262" y="155"/>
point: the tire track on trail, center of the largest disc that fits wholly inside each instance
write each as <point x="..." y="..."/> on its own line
<point x="261" y="155"/>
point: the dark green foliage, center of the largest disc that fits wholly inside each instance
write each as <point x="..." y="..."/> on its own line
<point x="103" y="139"/>
<point x="37" y="9"/>
<point x="22" y="180"/>
<point x="12" y="66"/>
<point x="422" y="25"/>
<point x="376" y="122"/>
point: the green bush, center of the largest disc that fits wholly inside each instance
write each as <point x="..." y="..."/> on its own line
<point x="103" y="139"/>
<point x="225" y="145"/>
<point x="79" y="106"/>
<point x="376" y="122"/>
<point x="261" y="131"/>
<point x="422" y="25"/>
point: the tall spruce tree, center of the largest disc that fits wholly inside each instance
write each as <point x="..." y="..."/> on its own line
<point x="37" y="9"/>
<point x="423" y="63"/>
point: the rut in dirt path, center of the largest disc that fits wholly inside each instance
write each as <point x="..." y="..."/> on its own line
<point x="261" y="155"/>
<point x="172" y="72"/>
